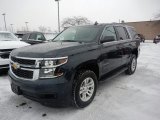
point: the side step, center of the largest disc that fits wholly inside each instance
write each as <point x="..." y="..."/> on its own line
<point x="113" y="74"/>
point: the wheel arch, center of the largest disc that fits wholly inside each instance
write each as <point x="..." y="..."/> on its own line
<point x="89" y="65"/>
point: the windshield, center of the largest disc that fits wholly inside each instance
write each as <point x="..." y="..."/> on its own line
<point x="7" y="37"/>
<point x="78" y="34"/>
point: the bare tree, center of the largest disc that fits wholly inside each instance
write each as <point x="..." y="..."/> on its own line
<point x="42" y="29"/>
<point x="73" y="21"/>
<point x="23" y="28"/>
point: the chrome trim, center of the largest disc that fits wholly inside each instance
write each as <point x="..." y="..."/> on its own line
<point x="26" y="66"/>
<point x="55" y="66"/>
<point x="4" y="67"/>
<point x="27" y="58"/>
<point x="50" y="77"/>
<point x="34" y="68"/>
<point x="40" y="58"/>
<point x="21" y="77"/>
<point x="58" y="58"/>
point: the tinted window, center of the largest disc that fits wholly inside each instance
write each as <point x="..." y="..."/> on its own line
<point x="33" y="36"/>
<point x="132" y="32"/>
<point x="40" y="37"/>
<point x="109" y="32"/>
<point x="123" y="34"/>
<point x="79" y="34"/>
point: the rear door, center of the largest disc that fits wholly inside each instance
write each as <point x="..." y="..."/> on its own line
<point x="123" y="45"/>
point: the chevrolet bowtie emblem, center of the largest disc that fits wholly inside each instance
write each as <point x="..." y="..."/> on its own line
<point x="15" y="66"/>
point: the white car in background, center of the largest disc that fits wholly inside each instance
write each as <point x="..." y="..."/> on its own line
<point x="8" y="42"/>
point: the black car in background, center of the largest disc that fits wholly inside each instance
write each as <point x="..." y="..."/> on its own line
<point x="156" y="39"/>
<point x="34" y="38"/>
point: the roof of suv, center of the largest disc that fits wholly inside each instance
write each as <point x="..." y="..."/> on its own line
<point x="105" y="24"/>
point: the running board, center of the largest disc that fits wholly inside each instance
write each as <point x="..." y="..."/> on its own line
<point x="113" y="74"/>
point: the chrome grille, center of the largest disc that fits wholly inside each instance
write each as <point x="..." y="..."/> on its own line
<point x="23" y="61"/>
<point x="28" y="68"/>
<point x="23" y="73"/>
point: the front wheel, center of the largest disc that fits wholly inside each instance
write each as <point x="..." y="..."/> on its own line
<point x="84" y="88"/>
<point x="132" y="65"/>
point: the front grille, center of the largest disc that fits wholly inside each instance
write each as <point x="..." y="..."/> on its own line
<point x="5" y="56"/>
<point x="23" y="73"/>
<point x="23" y="61"/>
<point x="5" y="53"/>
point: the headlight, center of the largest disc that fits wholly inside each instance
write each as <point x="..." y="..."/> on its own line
<point x="52" y="63"/>
<point x="50" y="67"/>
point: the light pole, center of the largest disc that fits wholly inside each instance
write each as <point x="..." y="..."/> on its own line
<point x="12" y="28"/>
<point x="26" y="25"/>
<point x="5" y="21"/>
<point x="58" y="16"/>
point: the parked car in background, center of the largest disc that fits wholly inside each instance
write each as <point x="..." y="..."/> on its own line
<point x="156" y="39"/>
<point x="34" y="38"/>
<point x="8" y="42"/>
<point x="67" y="70"/>
<point x="50" y="36"/>
<point x="19" y="35"/>
<point x="142" y="38"/>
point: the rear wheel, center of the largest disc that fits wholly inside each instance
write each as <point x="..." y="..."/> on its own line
<point x="132" y="65"/>
<point x="84" y="88"/>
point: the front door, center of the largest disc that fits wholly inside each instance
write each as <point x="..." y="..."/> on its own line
<point x="110" y="58"/>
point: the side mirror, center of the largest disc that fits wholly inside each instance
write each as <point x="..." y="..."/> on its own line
<point x="108" y="39"/>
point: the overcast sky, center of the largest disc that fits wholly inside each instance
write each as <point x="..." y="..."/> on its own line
<point x="44" y="12"/>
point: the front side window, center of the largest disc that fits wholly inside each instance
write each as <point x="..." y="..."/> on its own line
<point x="79" y="34"/>
<point x="109" y="33"/>
<point x="133" y="32"/>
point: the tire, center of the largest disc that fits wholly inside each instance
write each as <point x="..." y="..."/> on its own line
<point x="132" y="65"/>
<point x="83" y="95"/>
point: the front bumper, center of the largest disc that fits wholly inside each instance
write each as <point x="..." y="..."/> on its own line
<point x="56" y="92"/>
<point x="4" y="63"/>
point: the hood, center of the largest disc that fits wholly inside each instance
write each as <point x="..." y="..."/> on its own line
<point x="52" y="49"/>
<point x="12" y="44"/>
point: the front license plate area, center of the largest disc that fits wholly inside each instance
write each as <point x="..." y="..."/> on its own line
<point x="15" y="89"/>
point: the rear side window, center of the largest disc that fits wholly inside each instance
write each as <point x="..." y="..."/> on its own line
<point x="133" y="32"/>
<point x="122" y="32"/>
